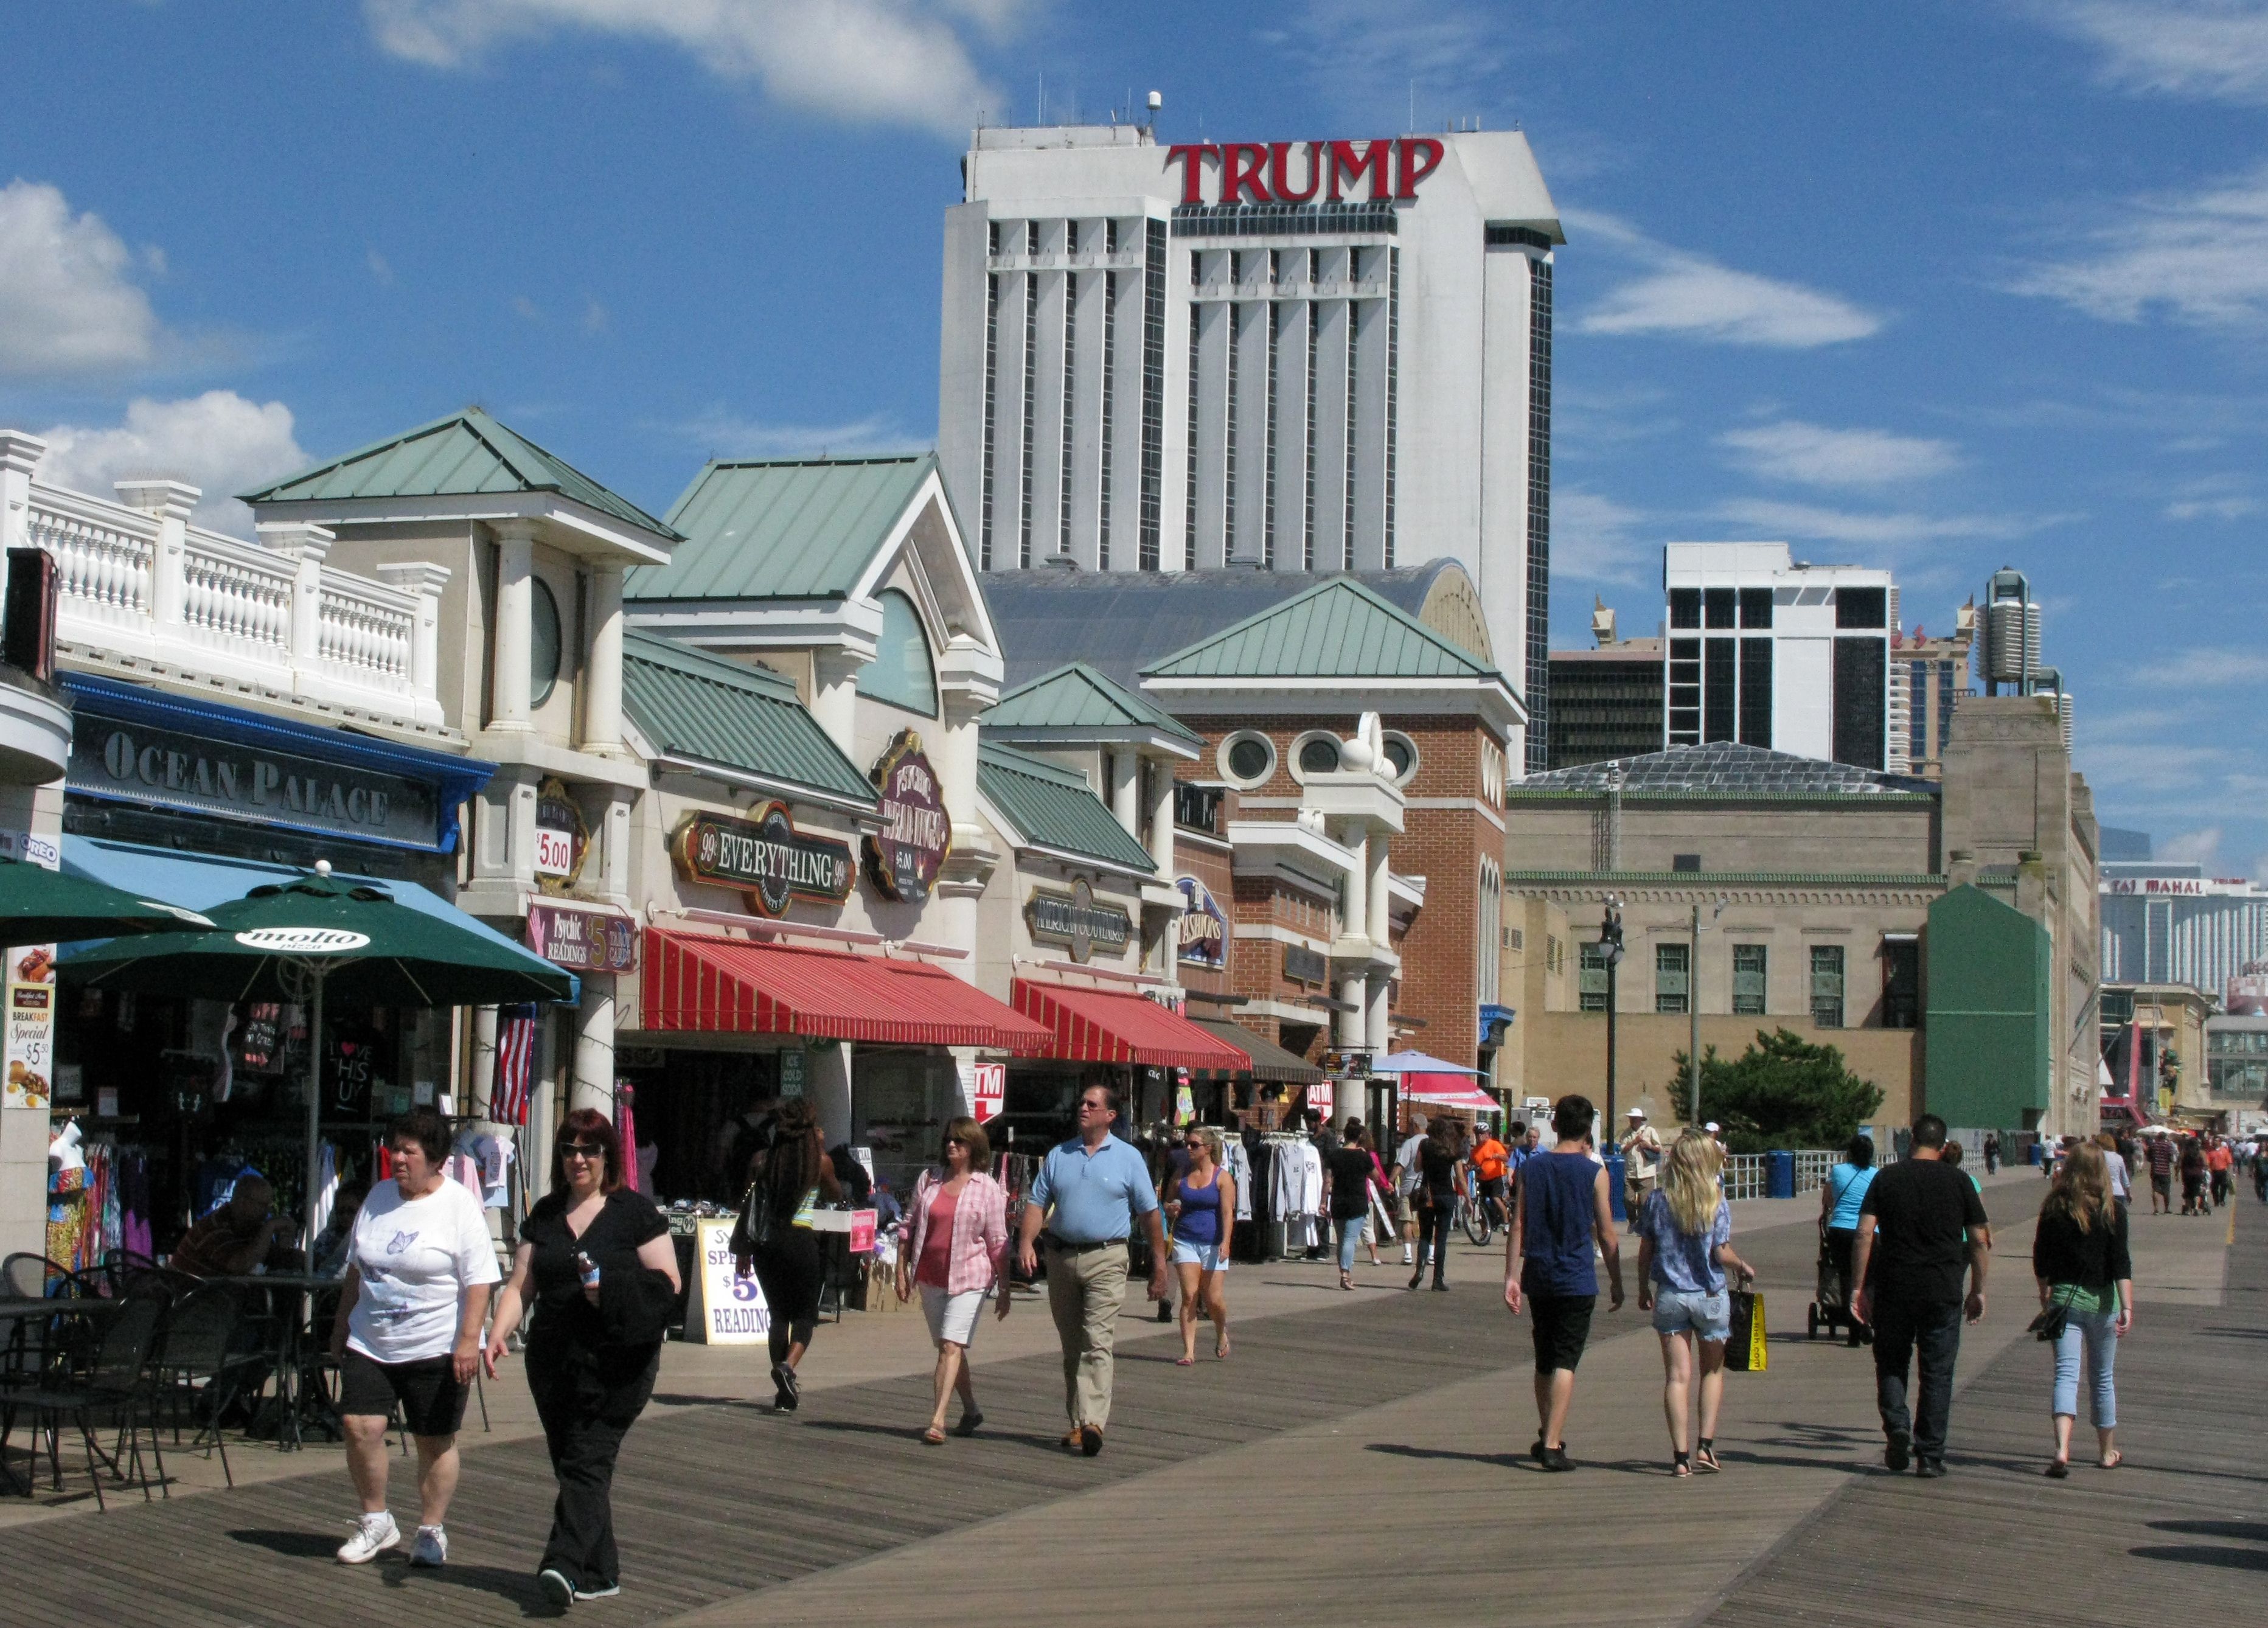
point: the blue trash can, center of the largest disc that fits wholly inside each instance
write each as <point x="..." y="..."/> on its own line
<point x="1779" y="1174"/>
<point x="1616" y="1164"/>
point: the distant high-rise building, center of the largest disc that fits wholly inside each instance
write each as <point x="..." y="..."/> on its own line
<point x="2167" y="922"/>
<point x="1605" y="702"/>
<point x="1928" y="675"/>
<point x="1303" y="355"/>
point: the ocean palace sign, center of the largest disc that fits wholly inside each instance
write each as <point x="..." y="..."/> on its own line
<point x="1262" y="171"/>
<point x="766" y="857"/>
<point x="172" y="768"/>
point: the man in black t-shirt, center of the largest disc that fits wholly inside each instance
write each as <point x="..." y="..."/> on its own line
<point x="1922" y="1220"/>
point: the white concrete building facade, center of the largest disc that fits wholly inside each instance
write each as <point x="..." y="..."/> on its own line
<point x="1310" y="356"/>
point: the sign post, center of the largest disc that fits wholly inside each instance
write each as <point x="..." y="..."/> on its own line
<point x="725" y="1310"/>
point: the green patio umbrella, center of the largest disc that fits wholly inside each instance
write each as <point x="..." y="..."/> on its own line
<point x="302" y="939"/>
<point x="40" y="906"/>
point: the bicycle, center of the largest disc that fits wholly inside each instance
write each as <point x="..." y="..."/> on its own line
<point x="1479" y="1219"/>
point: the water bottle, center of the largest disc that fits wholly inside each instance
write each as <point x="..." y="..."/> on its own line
<point x="587" y="1268"/>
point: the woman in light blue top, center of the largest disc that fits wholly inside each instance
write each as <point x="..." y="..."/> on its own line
<point x="1840" y="1195"/>
<point x="1685" y="1235"/>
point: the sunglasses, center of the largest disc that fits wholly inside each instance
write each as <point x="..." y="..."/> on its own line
<point x="1094" y="1108"/>
<point x="582" y="1150"/>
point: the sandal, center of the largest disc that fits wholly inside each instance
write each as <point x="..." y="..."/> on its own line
<point x="1704" y="1456"/>
<point x="2058" y="1469"/>
<point x="969" y="1423"/>
<point x="1681" y="1463"/>
<point x="2115" y="1459"/>
<point x="1185" y="1362"/>
<point x="934" y="1437"/>
<point x="1220" y="1351"/>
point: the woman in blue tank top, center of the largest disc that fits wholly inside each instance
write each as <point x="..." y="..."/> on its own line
<point x="1202" y="1201"/>
<point x="1840" y="1195"/>
<point x="1563" y="1212"/>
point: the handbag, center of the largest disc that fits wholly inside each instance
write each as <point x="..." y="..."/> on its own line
<point x="2048" y="1327"/>
<point x="1745" y="1351"/>
<point x="755" y="1228"/>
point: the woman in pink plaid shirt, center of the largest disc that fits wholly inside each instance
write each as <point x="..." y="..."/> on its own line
<point x="953" y="1246"/>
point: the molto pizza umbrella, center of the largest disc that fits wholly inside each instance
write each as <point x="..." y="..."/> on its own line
<point x="40" y="906"/>
<point x="298" y="941"/>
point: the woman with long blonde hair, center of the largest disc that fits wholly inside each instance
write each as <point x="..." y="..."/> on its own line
<point x="1201" y="1202"/>
<point x="2086" y="1297"/>
<point x="1685" y="1234"/>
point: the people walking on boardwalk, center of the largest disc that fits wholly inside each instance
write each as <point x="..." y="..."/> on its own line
<point x="2192" y="1177"/>
<point x="2218" y="1161"/>
<point x="1406" y="1174"/>
<point x="595" y="1260"/>
<point x="1840" y="1196"/>
<point x="1991" y="1152"/>
<point x="2114" y="1168"/>
<point x="788" y="1182"/>
<point x="955" y="1243"/>
<point x="1090" y="1193"/>
<point x="1565" y="1215"/>
<point x="1685" y="1248"/>
<point x="2161" y="1159"/>
<point x="407" y="1333"/>
<point x="1360" y="1137"/>
<point x="1202" y="1201"/>
<point x="1492" y="1166"/>
<point x="1641" y="1151"/>
<point x="2087" y="1293"/>
<point x="1440" y="1173"/>
<point x="1955" y="1156"/>
<point x="1920" y="1221"/>
<point x="1347" y="1177"/>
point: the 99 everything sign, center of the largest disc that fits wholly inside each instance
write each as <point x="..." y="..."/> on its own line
<point x="766" y="857"/>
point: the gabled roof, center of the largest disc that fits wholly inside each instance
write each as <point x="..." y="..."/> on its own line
<point x="1051" y="807"/>
<point x="1076" y="696"/>
<point x="1336" y="630"/>
<point x="697" y="706"/>
<point x="795" y="528"/>
<point x="465" y="453"/>
<point x="1723" y="769"/>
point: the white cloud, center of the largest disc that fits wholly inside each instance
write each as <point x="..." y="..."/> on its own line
<point x="68" y="301"/>
<point x="2198" y="847"/>
<point x="1595" y="539"/>
<point x="2199" y="258"/>
<point x="1689" y="296"/>
<point x="1444" y="56"/>
<point x="2213" y="50"/>
<point x="1886" y="532"/>
<point x="2203" y="666"/>
<point x="381" y="268"/>
<point x="217" y="441"/>
<point x="884" y="62"/>
<point x="2211" y="509"/>
<point x="1815" y="455"/>
<point x="594" y="319"/>
<point x="721" y="434"/>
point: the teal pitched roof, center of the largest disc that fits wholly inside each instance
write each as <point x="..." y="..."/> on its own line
<point x="1337" y="628"/>
<point x="1076" y="696"/>
<point x="1055" y="808"/>
<point x="463" y="455"/>
<point x="691" y="705"/>
<point x="799" y="528"/>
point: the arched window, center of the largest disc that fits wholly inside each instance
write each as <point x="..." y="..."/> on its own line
<point x="900" y="672"/>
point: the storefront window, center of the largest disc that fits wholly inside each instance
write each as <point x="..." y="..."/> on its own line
<point x="900" y="673"/>
<point x="900" y="1101"/>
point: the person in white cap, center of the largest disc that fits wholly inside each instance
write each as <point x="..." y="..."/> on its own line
<point x="1722" y="1150"/>
<point x="1641" y="1151"/>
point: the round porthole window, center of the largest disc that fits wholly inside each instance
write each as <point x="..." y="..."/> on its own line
<point x="1400" y="757"/>
<point x="1247" y="759"/>
<point x="1319" y="754"/>
<point x="543" y="644"/>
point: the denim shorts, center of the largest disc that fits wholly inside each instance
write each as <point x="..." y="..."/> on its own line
<point x="1210" y="1256"/>
<point x="1710" y="1317"/>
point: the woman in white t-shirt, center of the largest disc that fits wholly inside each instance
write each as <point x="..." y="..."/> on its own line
<point x="420" y="1271"/>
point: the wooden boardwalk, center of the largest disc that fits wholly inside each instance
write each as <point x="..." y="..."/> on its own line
<point x="1341" y="1454"/>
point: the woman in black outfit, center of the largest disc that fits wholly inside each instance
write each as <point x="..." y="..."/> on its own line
<point x="590" y="1372"/>
<point x="787" y="1182"/>
<point x="1436" y="1198"/>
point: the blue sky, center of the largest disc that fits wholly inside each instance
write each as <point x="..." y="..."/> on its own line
<point x="1939" y="285"/>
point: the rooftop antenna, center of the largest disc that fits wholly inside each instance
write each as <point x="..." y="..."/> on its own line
<point x="1156" y="100"/>
<point x="1043" y="118"/>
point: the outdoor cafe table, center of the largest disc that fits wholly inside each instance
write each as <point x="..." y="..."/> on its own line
<point x="17" y="1318"/>
<point x="296" y="1403"/>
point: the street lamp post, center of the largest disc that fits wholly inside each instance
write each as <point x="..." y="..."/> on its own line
<point x="1693" y="1015"/>
<point x="1610" y="951"/>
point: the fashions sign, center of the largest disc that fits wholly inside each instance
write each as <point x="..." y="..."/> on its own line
<point x="764" y="856"/>
<point x="171" y="768"/>
<point x="582" y="940"/>
<point x="1074" y="919"/>
<point x="904" y="856"/>
<point x="1203" y="929"/>
<point x="1333" y="171"/>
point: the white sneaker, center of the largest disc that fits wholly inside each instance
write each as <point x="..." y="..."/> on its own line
<point x="557" y="1591"/>
<point x="607" y="1593"/>
<point x="373" y="1536"/>
<point x="431" y="1547"/>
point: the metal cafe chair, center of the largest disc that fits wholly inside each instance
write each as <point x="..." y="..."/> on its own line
<point x="118" y="1387"/>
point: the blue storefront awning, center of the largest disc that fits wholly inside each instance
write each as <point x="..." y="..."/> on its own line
<point x="199" y="881"/>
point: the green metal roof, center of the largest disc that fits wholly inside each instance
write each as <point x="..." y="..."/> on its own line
<point x="461" y="455"/>
<point x="1337" y="628"/>
<point x="1054" y="808"/>
<point x="1521" y="791"/>
<point x="1706" y="880"/>
<point x="690" y="704"/>
<point x="1076" y="696"/>
<point x="802" y="528"/>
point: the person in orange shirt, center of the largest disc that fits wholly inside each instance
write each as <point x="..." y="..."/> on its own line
<point x="1490" y="1161"/>
<point x="2219" y="1160"/>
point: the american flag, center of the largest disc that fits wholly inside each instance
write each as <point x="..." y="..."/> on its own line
<point x="515" y="1061"/>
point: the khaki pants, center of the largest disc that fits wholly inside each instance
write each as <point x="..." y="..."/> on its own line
<point x="1086" y="1292"/>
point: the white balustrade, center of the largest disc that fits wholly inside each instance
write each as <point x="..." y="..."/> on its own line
<point x="236" y="593"/>
<point x="364" y="628"/>
<point x="105" y="554"/>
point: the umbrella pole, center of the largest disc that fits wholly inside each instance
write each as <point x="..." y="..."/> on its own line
<point x="314" y="1119"/>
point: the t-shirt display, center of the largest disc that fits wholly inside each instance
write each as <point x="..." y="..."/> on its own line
<point x="1923" y="1209"/>
<point x="417" y="1257"/>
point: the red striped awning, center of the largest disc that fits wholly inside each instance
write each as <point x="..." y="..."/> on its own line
<point x="1102" y="1026"/>
<point x="734" y="986"/>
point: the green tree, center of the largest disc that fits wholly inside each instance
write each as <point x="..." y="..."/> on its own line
<point x="1783" y="1092"/>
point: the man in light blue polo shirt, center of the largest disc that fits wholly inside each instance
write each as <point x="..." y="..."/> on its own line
<point x="1090" y="1191"/>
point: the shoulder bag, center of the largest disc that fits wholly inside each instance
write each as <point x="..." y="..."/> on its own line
<point x="757" y="1223"/>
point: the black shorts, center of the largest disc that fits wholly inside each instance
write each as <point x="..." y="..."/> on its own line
<point x="2163" y="1185"/>
<point x="1492" y="1187"/>
<point x="432" y="1400"/>
<point x="1563" y="1327"/>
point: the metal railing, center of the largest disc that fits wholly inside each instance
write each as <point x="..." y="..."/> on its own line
<point x="1748" y="1175"/>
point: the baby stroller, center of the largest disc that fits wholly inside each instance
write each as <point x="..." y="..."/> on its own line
<point x="1830" y="1311"/>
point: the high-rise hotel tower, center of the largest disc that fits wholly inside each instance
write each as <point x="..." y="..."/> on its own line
<point x="1294" y="356"/>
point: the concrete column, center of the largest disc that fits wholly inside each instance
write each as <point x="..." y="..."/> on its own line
<point x="170" y="502"/>
<point x="20" y="463"/>
<point x="483" y="1065"/>
<point x="826" y="1082"/>
<point x="614" y="846"/>
<point x="1377" y="1027"/>
<point x="1351" y="1026"/>
<point x="1161" y="817"/>
<point x="602" y="678"/>
<point x="835" y="696"/>
<point x="1357" y="890"/>
<point x="512" y="645"/>
<point x="426" y="580"/>
<point x="592" y="1083"/>
<point x="1381" y="920"/>
<point x="1124" y="768"/>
